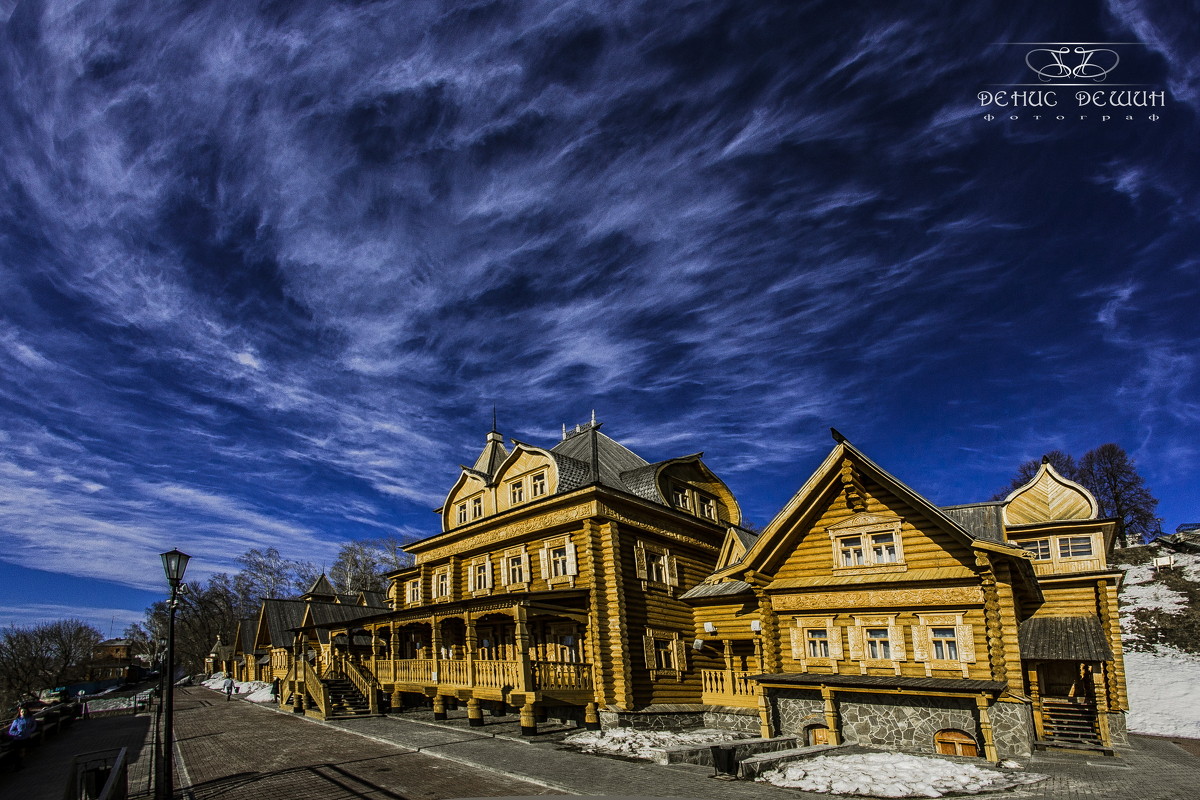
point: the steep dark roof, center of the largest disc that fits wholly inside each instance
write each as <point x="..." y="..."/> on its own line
<point x="246" y="635"/>
<point x="1064" y="639"/>
<point x="321" y="588"/>
<point x="589" y="445"/>
<point x="746" y="537"/>
<point x="641" y="482"/>
<point x="981" y="520"/>
<point x="281" y="617"/>
<point x="373" y="599"/>
<point x="326" y="615"/>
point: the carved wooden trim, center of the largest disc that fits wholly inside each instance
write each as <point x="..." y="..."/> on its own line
<point x="815" y="601"/>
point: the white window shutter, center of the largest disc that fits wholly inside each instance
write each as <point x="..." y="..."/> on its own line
<point x="545" y="558"/>
<point x="896" y="640"/>
<point x="965" y="634"/>
<point x="648" y="644"/>
<point x="639" y="560"/>
<point x="835" y="640"/>
<point x="471" y="576"/>
<point x="672" y="570"/>
<point x="798" y="645"/>
<point x="856" y="643"/>
<point x="920" y="634"/>
<point x="487" y="575"/>
<point x="572" y="564"/>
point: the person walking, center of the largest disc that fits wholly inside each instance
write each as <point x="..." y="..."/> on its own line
<point x="21" y="731"/>
<point x="228" y="686"/>
<point x="275" y="691"/>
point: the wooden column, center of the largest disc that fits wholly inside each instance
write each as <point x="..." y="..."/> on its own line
<point x="591" y="719"/>
<point x="435" y="644"/>
<point x="522" y="640"/>
<point x="474" y="712"/>
<point x="374" y="648"/>
<point x="1101" y="692"/>
<point x="985" y="727"/>
<point x="472" y="644"/>
<point x="831" y="716"/>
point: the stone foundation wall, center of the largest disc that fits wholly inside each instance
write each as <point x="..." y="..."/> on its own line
<point x="1117" y="728"/>
<point x="650" y="720"/>
<point x="794" y="710"/>
<point x="742" y="720"/>
<point x="1012" y="728"/>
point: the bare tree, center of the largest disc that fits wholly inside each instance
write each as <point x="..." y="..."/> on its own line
<point x="1110" y="474"/>
<point x="266" y="574"/>
<point x="358" y="568"/>
<point x="44" y="656"/>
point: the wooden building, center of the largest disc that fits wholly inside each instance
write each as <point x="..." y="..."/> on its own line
<point x="581" y="582"/>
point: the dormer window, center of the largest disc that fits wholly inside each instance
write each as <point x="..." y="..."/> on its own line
<point x="707" y="507"/>
<point x="516" y="492"/>
<point x="679" y="497"/>
<point x="476" y="507"/>
<point x="1039" y="548"/>
<point x="537" y="485"/>
<point x="1074" y="546"/>
<point x="462" y="513"/>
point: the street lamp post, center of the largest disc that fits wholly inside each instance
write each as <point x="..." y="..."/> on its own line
<point x="174" y="564"/>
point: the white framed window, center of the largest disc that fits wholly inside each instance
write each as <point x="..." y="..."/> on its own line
<point x="867" y="543"/>
<point x="441" y="583"/>
<point x="878" y="642"/>
<point x="412" y="591"/>
<point x="680" y="498"/>
<point x="707" y="507"/>
<point x="479" y="574"/>
<point x="1074" y="546"/>
<point x="476" y="507"/>
<point x="537" y="484"/>
<point x="559" y="564"/>
<point x="656" y="566"/>
<point x="1039" y="548"/>
<point x="515" y="568"/>
<point x="516" y="492"/>
<point x="817" y="642"/>
<point x="943" y="642"/>
<point x="462" y="513"/>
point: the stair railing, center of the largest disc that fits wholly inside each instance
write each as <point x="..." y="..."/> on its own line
<point x="364" y="682"/>
<point x="318" y="691"/>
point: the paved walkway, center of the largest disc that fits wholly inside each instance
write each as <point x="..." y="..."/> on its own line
<point x="241" y="751"/>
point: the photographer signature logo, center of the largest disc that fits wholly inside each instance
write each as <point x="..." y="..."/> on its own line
<point x="1067" y="63"/>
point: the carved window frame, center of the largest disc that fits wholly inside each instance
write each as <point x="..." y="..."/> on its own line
<point x="461" y="513"/>
<point x="964" y="640"/>
<point x="412" y="592"/>
<point x="833" y="641"/>
<point x="865" y="526"/>
<point x="857" y="634"/>
<point x="526" y="569"/>
<point x="473" y="585"/>
<point x="442" y="584"/>
<point x="572" y="562"/>
<point x="675" y="647"/>
<point x="670" y="582"/>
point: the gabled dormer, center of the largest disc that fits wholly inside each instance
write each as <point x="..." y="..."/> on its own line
<point x="1055" y="520"/>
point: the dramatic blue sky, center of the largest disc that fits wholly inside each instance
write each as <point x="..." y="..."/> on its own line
<point x="266" y="267"/>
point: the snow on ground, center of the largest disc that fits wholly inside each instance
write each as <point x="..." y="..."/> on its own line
<point x="1164" y="693"/>
<point x="1152" y="596"/>
<point x="254" y="691"/>
<point x="893" y="775"/>
<point x="643" y="744"/>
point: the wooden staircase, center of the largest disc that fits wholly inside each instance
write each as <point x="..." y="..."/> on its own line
<point x="1072" y="724"/>
<point x="345" y="700"/>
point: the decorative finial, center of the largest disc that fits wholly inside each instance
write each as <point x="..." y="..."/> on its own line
<point x="564" y="431"/>
<point x="593" y="417"/>
<point x="1046" y="459"/>
<point x="837" y="436"/>
<point x="494" y="418"/>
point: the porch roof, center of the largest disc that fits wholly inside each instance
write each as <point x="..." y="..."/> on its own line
<point x="1064" y="639"/>
<point x="964" y="685"/>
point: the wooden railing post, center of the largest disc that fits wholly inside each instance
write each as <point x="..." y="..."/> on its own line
<point x="472" y="644"/>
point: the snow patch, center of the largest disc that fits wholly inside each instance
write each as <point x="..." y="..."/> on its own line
<point x="254" y="691"/>
<point x="644" y="744"/>
<point x="1164" y="693"/>
<point x="893" y="775"/>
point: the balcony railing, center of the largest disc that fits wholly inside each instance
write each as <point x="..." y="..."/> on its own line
<point x="490" y="674"/>
<point x="727" y="683"/>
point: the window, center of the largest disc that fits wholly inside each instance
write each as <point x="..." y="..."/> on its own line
<point x="537" y="485"/>
<point x="1040" y="548"/>
<point x="879" y="646"/>
<point x="666" y="654"/>
<point x="476" y="507"/>
<point x="516" y="569"/>
<point x="413" y="591"/>
<point x="656" y="567"/>
<point x="883" y="548"/>
<point x="679" y="497"/>
<point x="818" y="642"/>
<point x="955" y="743"/>
<point x="516" y="492"/>
<point x="1074" y="546"/>
<point x="708" y="507"/>
<point x="481" y="575"/>
<point x="441" y="583"/>
<point x="852" y="551"/>
<point x="462" y="513"/>
<point x="558" y="561"/>
<point x="944" y="643"/>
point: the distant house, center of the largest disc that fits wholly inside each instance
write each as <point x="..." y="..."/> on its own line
<point x="581" y="582"/>
<point x="114" y="659"/>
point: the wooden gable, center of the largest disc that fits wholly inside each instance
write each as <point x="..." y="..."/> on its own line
<point x="1049" y="497"/>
